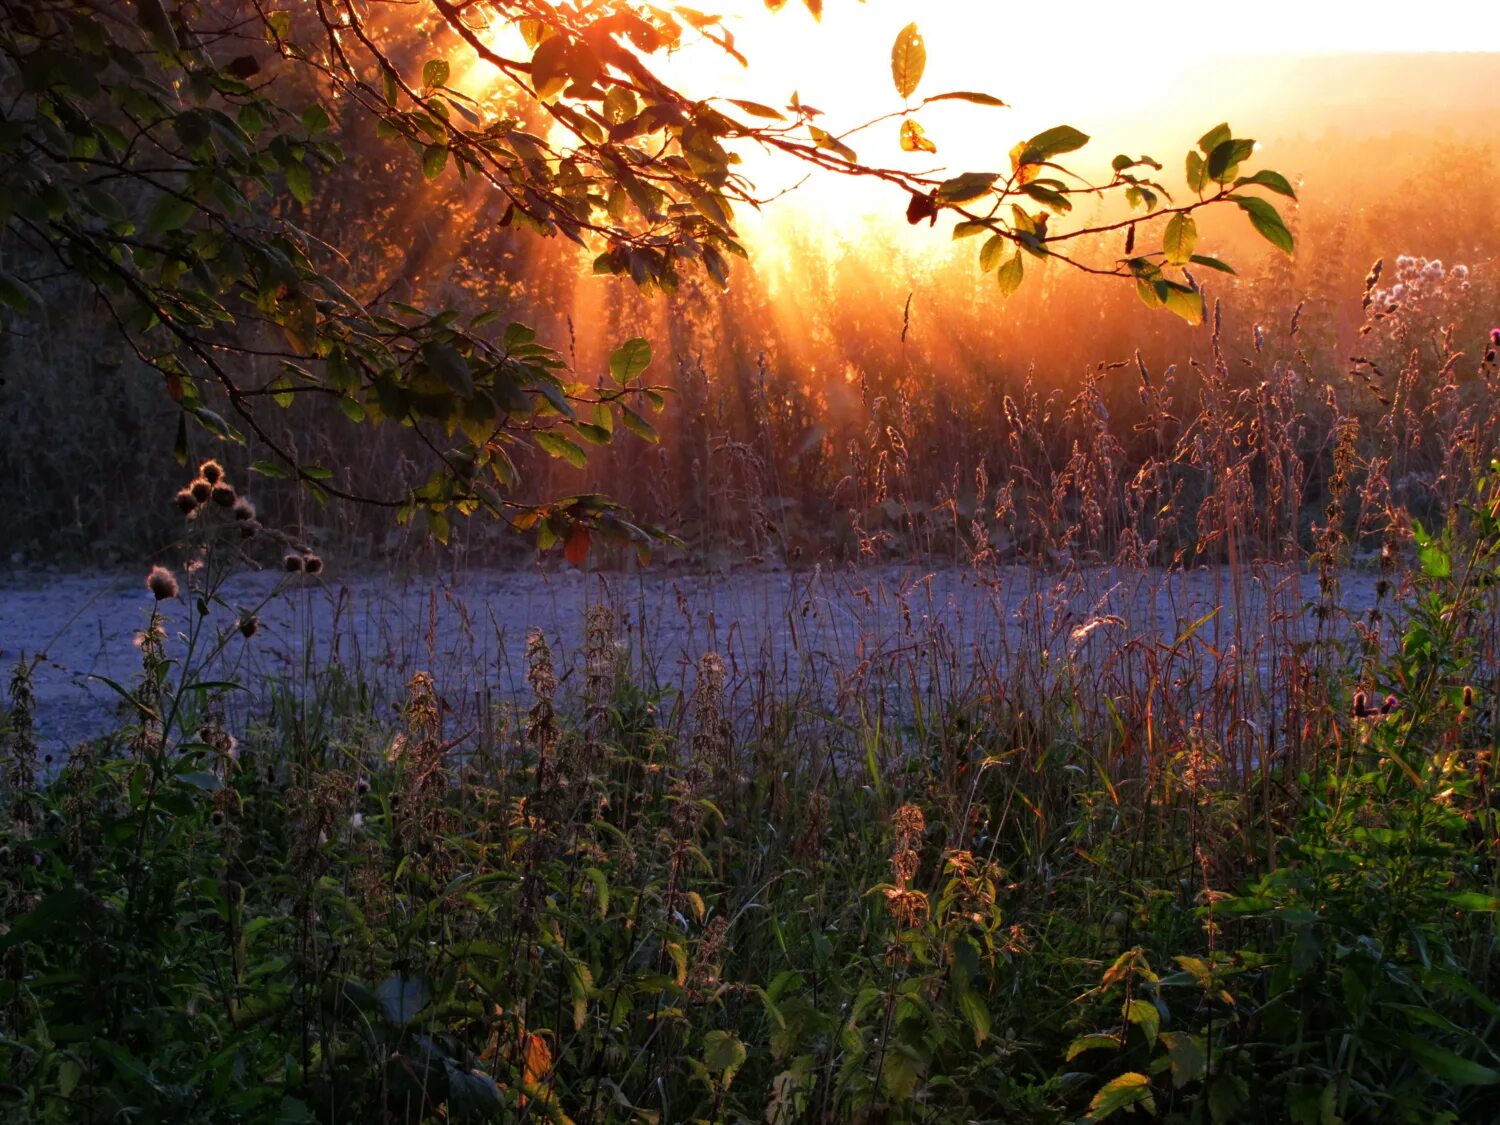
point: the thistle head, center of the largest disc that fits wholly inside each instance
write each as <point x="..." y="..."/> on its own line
<point x="162" y="583"/>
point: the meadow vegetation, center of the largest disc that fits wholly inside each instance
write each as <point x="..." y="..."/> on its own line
<point x="1238" y="873"/>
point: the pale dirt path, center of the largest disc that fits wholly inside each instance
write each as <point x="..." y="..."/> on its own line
<point x="814" y="634"/>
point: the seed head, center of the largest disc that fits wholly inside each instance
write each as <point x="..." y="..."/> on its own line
<point x="186" y="501"/>
<point x="201" y="490"/>
<point x="1468" y="696"/>
<point x="292" y="563"/>
<point x="211" y="471"/>
<point x="249" y="529"/>
<point x="162" y="583"/>
<point x="224" y="495"/>
<point x="1495" y="337"/>
<point x="249" y="626"/>
<point x="243" y="509"/>
<point x="312" y="564"/>
<point x="1361" y="705"/>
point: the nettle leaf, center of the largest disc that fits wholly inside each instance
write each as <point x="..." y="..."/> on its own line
<point x="1179" y="239"/>
<point x="435" y="73"/>
<point x="908" y="60"/>
<point x="1130" y="1089"/>
<point x="723" y="1054"/>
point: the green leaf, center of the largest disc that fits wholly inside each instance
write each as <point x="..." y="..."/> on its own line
<point x="1473" y="900"/>
<point x="1179" y="239"/>
<point x="1267" y="221"/>
<point x="153" y="17"/>
<point x="1129" y="1089"/>
<point x="723" y="1055"/>
<point x="170" y="212"/>
<point x="1144" y="1015"/>
<point x="1186" y="303"/>
<point x="16" y="294"/>
<point x="1010" y="275"/>
<point x="1226" y="158"/>
<point x="299" y="182"/>
<point x="1095" y="1042"/>
<point x="1053" y="142"/>
<point x="630" y="360"/>
<point x="402" y="997"/>
<point x="908" y="60"/>
<point x="434" y="159"/>
<point x="962" y="188"/>
<point x="1266" y="178"/>
<point x="977" y="1013"/>
<point x="562" y="448"/>
<point x="1188" y="1058"/>
<point x="549" y="67"/>
<point x="1212" y="263"/>
<point x="1447" y="1065"/>
<point x="1214" y="138"/>
<point x="1197" y="173"/>
<point x="965" y="96"/>
<point x="989" y="254"/>
<point x="435" y="73"/>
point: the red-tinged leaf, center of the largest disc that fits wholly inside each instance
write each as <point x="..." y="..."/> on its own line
<point x="576" y="546"/>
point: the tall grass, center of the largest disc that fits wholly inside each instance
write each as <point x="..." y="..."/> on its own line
<point x="1241" y="870"/>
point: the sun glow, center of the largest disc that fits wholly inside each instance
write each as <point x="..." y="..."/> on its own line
<point x="1147" y="85"/>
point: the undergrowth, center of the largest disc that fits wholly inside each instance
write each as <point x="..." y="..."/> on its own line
<point x="619" y="904"/>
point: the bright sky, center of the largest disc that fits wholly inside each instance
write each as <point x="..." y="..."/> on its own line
<point x="1152" y="77"/>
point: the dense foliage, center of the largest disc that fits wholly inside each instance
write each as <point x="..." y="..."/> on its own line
<point x="171" y="158"/>
<point x="622" y="905"/>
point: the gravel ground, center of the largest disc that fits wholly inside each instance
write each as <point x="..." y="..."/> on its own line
<point x="823" y="634"/>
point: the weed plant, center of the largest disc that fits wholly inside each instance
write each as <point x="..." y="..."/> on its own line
<point x="623" y="903"/>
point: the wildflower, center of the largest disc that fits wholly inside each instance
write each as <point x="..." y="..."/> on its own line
<point x="362" y="786"/>
<point x="243" y="509"/>
<point x="211" y="471"/>
<point x="1495" y="337"/>
<point x="1391" y="704"/>
<point x="186" y="501"/>
<point x="357" y="820"/>
<point x="1468" y="696"/>
<point x="312" y="564"/>
<point x="162" y="583"/>
<point x="201" y="490"/>
<point x="292" y="563"/>
<point x="1361" y="705"/>
<point x="223" y="494"/>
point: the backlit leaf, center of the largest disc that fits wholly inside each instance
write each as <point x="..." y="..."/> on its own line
<point x="908" y="60"/>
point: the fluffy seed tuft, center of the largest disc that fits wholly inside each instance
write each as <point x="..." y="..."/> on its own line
<point x="162" y="583"/>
